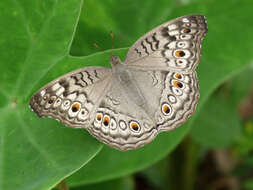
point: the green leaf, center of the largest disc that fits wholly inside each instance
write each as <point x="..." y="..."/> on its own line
<point x="218" y="124"/>
<point x="35" y="153"/>
<point x="35" y="42"/>
<point x="248" y="185"/>
<point x="125" y="183"/>
<point x="110" y="163"/>
<point x="128" y="20"/>
<point x="239" y="87"/>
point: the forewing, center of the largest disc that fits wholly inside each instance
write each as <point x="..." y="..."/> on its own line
<point x="72" y="98"/>
<point x="175" y="45"/>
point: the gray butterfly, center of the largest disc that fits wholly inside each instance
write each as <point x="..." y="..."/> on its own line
<point x="155" y="89"/>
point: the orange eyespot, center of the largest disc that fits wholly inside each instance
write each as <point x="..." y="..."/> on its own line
<point x="166" y="109"/>
<point x="135" y="126"/>
<point x="178" y="76"/>
<point x="106" y="121"/>
<point x="177" y="84"/>
<point x="99" y="117"/>
<point x="51" y="100"/>
<point x="180" y="53"/>
<point x="187" y="30"/>
<point x="75" y="107"/>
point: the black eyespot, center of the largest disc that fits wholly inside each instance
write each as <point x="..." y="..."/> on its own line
<point x="106" y="121"/>
<point x="181" y="44"/>
<point x="135" y="126"/>
<point x="51" y="100"/>
<point x="178" y="84"/>
<point x="99" y="117"/>
<point x="166" y="109"/>
<point x="187" y="30"/>
<point x="75" y="107"/>
<point x="180" y="53"/>
<point x="178" y="76"/>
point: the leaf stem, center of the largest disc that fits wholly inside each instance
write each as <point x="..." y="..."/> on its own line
<point x="191" y="163"/>
<point x="183" y="166"/>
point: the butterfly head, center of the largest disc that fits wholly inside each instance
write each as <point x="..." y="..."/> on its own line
<point x="114" y="60"/>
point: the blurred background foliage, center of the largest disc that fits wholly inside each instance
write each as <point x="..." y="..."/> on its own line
<point x="213" y="151"/>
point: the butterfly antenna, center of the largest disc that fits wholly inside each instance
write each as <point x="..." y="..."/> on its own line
<point x="112" y="36"/>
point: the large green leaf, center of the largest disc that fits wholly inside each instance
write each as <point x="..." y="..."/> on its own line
<point x="34" y="46"/>
<point x="126" y="183"/>
<point x="36" y="153"/>
<point x="218" y="124"/>
<point x="225" y="128"/>
<point x="128" y="20"/>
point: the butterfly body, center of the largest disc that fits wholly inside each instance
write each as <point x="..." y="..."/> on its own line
<point x="122" y="75"/>
<point x="154" y="89"/>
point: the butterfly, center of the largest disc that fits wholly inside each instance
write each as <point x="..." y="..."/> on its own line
<point x="154" y="89"/>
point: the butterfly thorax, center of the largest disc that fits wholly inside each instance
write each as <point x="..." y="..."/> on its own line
<point x="123" y="76"/>
<point x="114" y="60"/>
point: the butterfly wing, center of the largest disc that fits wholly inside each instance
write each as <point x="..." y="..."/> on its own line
<point x="163" y="63"/>
<point x="74" y="97"/>
<point x="171" y="95"/>
<point x="175" y="45"/>
<point x="120" y="122"/>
